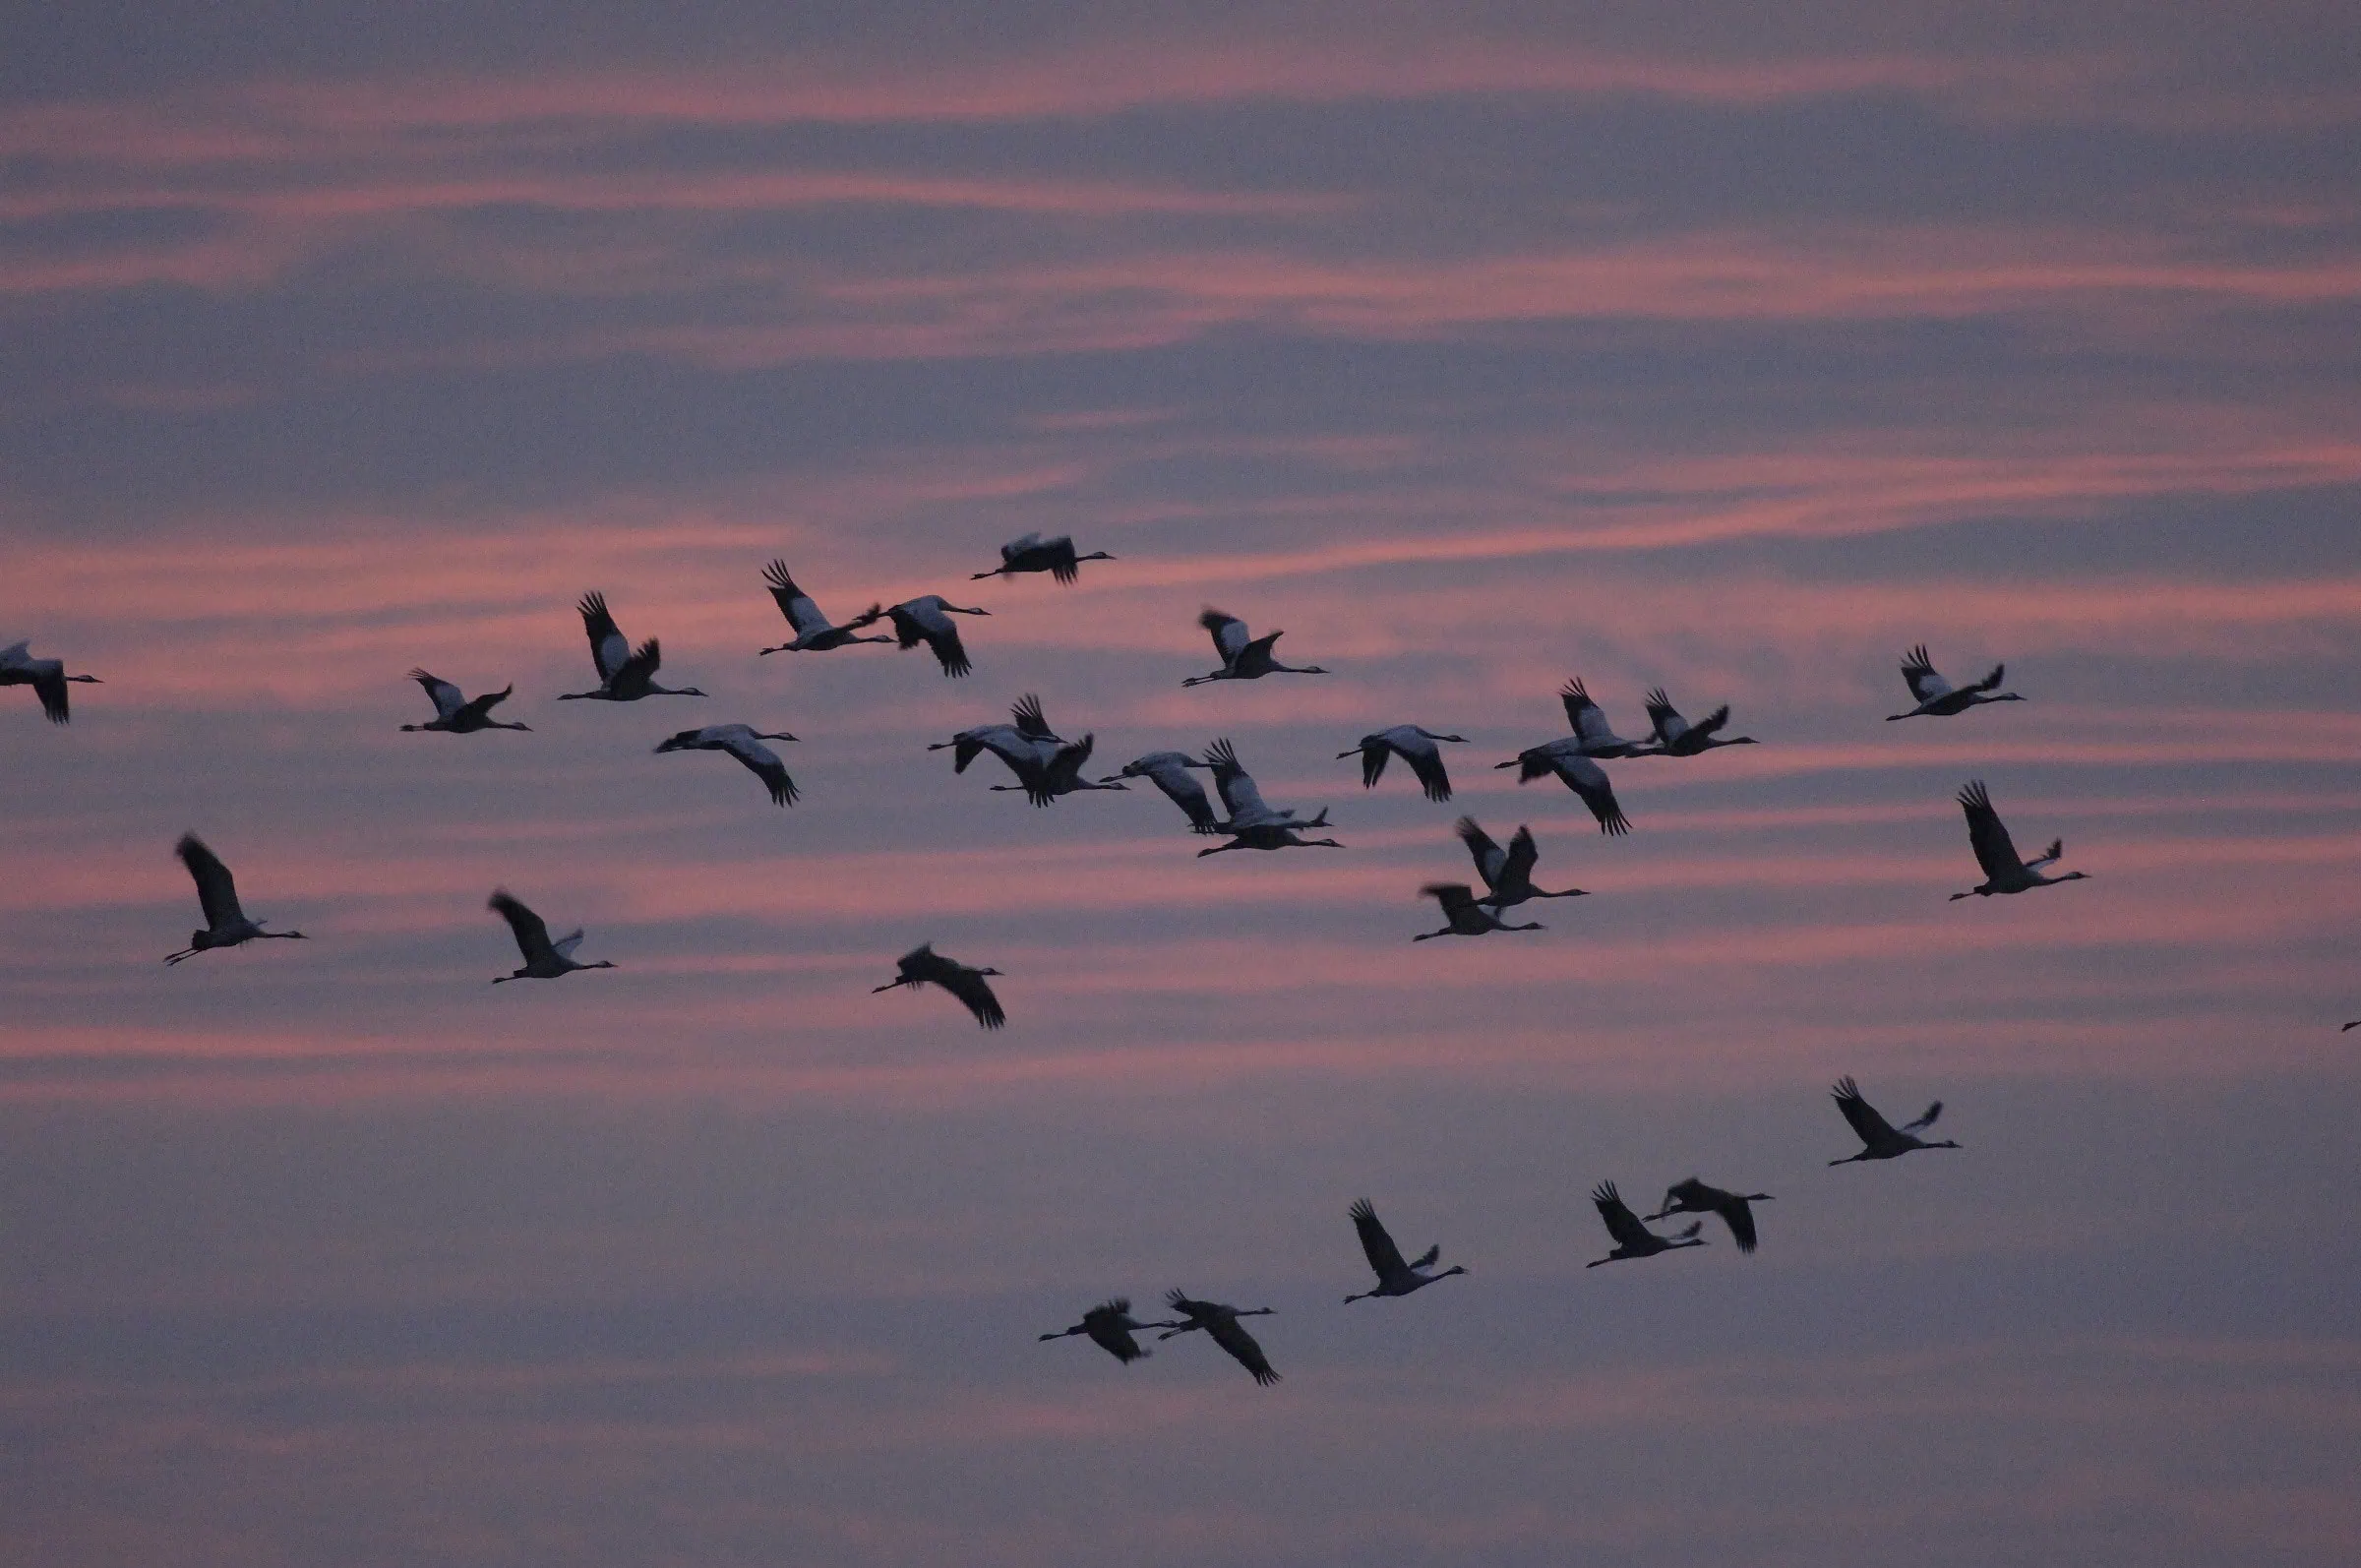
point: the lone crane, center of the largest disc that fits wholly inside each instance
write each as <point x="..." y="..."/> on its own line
<point x="1253" y="825"/>
<point x="1169" y="772"/>
<point x="814" y="632"/>
<point x="1935" y="696"/>
<point x="1110" y="1325"/>
<point x="745" y="742"/>
<point x="1242" y="659"/>
<point x="1507" y="874"/>
<point x="625" y="674"/>
<point x="922" y="965"/>
<point x="1880" y="1138"/>
<point x="1414" y="745"/>
<point x="1632" y="1239"/>
<point x="1695" y="1197"/>
<point x="46" y="677"/>
<point x="1032" y="553"/>
<point x="1463" y="915"/>
<point x="927" y="618"/>
<point x="454" y="714"/>
<point x="1577" y="772"/>
<point x="1394" y="1277"/>
<point x="1996" y="852"/>
<point x="226" y="924"/>
<point x="1677" y="737"/>
<point x="1221" y="1324"/>
<point x="543" y="959"/>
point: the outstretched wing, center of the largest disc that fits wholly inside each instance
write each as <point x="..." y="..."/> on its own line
<point x="1739" y="1218"/>
<point x="764" y="764"/>
<point x="1455" y="897"/>
<point x="1585" y="717"/>
<point x="1991" y="683"/>
<point x="1240" y="796"/>
<point x="970" y="988"/>
<point x="1186" y="793"/>
<point x="482" y="706"/>
<point x="446" y="698"/>
<point x="1926" y="683"/>
<point x="793" y="602"/>
<point x="1859" y="1113"/>
<point x="1664" y="718"/>
<point x="1031" y="723"/>
<point x="1589" y="780"/>
<point x="1924" y="1121"/>
<point x="1230" y="1335"/>
<point x="1486" y="854"/>
<point x="217" y="892"/>
<point x="1428" y="764"/>
<point x="1229" y="633"/>
<point x="1995" y="852"/>
<point x="532" y="935"/>
<point x="1621" y="1224"/>
<point x="1522" y="853"/>
<point x="641" y="667"/>
<point x="1374" y="751"/>
<point x="608" y="647"/>
<point x="1384" y="1258"/>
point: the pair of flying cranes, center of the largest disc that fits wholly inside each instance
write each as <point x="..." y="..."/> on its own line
<point x="1111" y="1326"/>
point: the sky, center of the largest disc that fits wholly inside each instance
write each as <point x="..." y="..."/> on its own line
<point x="1698" y="346"/>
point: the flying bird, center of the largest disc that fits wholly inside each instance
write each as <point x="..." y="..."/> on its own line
<point x="1677" y="737"/>
<point x="814" y="632"/>
<point x="1241" y="659"/>
<point x="543" y="959"/>
<point x="46" y="677"/>
<point x="1463" y="915"/>
<point x="1588" y="720"/>
<point x="745" y="742"/>
<point x="1880" y="1140"/>
<point x="1394" y="1277"/>
<point x="1032" y="553"/>
<point x="1695" y="1197"/>
<point x="928" y="619"/>
<point x="1507" y="874"/>
<point x="454" y="714"/>
<point x="1220" y="1323"/>
<point x="923" y="964"/>
<point x="1414" y="745"/>
<point x="1169" y="772"/>
<point x="1004" y="740"/>
<point x="1934" y="695"/>
<point x="1575" y="770"/>
<point x="1054" y="769"/>
<point x="1632" y="1239"/>
<point x="226" y="924"/>
<point x="1253" y="825"/>
<point x="1996" y="852"/>
<point x="625" y="674"/>
<point x="1111" y="1326"/>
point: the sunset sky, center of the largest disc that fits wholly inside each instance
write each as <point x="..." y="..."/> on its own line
<point x="1731" y="348"/>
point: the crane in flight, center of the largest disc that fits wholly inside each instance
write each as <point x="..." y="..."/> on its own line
<point x="455" y="713"/>
<point x="1880" y="1138"/>
<point x="1677" y="737"/>
<point x="226" y="924"/>
<point x="1004" y="740"/>
<point x="1632" y="1239"/>
<point x="745" y="742"/>
<point x="1032" y="553"/>
<point x="625" y="674"/>
<point x="46" y="677"/>
<point x="1394" y="1277"/>
<point x="1463" y="915"/>
<point x="1253" y="825"/>
<point x="922" y="965"/>
<point x="1996" y="852"/>
<point x="1221" y="1324"/>
<point x="1577" y="772"/>
<point x="927" y="618"/>
<point x="1049" y="770"/>
<point x="1695" y="1197"/>
<point x="1110" y="1326"/>
<point x="1414" y="745"/>
<point x="1242" y="659"/>
<point x="1507" y="874"/>
<point x="1169" y="772"/>
<point x="1588" y="720"/>
<point x="814" y="632"/>
<point x="1935" y="696"/>
<point x="544" y="959"/>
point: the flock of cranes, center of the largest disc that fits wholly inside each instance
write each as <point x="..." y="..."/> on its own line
<point x="1046" y="767"/>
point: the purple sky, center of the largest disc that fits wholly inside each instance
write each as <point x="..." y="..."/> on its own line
<point x="1677" y="348"/>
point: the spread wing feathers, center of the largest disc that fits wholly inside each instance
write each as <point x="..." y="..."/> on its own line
<point x="1859" y="1113"/>
<point x="1522" y="854"/>
<point x="1426" y="1259"/>
<point x="1384" y="1258"/>
<point x="532" y="935"/>
<point x="448" y="698"/>
<point x="1711" y="722"/>
<point x="608" y="647"/>
<point x="1487" y="855"/>
<point x="1030" y="721"/>
<point x="764" y="764"/>
<point x="1230" y="1335"/>
<point x="1919" y="672"/>
<point x="1669" y="726"/>
<point x="1428" y="764"/>
<point x="1229" y="633"/>
<point x="1991" y="683"/>
<point x="216" y="891"/>
<point x="1584" y="717"/>
<point x="1589" y="780"/>
<point x="972" y="991"/>
<point x="1621" y="1224"/>
<point x="1187" y="794"/>
<point x="1374" y="758"/>
<point x="793" y="602"/>
<point x="1240" y="796"/>
<point x="1925" y="1122"/>
<point x="1995" y="852"/>
<point x="642" y="664"/>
